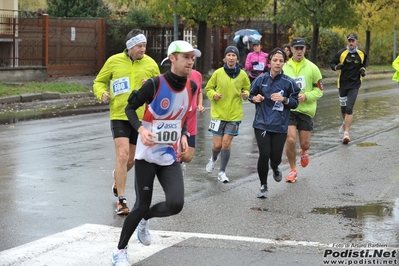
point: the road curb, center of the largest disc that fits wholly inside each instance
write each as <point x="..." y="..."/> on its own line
<point x="30" y="97"/>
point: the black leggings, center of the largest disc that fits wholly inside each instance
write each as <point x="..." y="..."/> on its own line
<point x="171" y="179"/>
<point x="271" y="147"/>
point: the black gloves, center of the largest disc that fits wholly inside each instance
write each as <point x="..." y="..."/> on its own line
<point x="255" y="63"/>
<point x="362" y="72"/>
<point x="339" y="66"/>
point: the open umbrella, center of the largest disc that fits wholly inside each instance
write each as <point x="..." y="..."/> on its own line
<point x="249" y="33"/>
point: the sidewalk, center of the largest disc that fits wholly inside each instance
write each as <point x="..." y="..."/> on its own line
<point x="88" y="81"/>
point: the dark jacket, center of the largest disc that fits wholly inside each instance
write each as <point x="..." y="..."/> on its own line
<point x="349" y="76"/>
<point x="265" y="117"/>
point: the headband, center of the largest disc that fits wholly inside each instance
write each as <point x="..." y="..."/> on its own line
<point x="135" y="40"/>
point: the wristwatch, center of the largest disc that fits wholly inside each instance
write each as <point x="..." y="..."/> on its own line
<point x="285" y="100"/>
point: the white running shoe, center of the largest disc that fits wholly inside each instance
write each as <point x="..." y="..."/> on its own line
<point x="119" y="257"/>
<point x="341" y="128"/>
<point x="143" y="234"/>
<point x="262" y="192"/>
<point x="183" y="168"/>
<point x="211" y="165"/>
<point x="223" y="178"/>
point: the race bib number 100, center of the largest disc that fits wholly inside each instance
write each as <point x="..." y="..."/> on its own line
<point x="214" y="124"/>
<point x="166" y="131"/>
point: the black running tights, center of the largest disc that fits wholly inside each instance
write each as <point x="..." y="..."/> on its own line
<point x="270" y="147"/>
<point x="171" y="179"/>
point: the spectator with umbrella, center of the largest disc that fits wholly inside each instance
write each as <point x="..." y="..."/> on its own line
<point x="242" y="38"/>
<point x="242" y="50"/>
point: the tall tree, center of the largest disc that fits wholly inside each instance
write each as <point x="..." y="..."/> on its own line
<point x="377" y="16"/>
<point x="318" y="14"/>
<point x="203" y="15"/>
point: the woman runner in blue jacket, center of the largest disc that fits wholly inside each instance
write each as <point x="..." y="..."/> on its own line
<point x="274" y="94"/>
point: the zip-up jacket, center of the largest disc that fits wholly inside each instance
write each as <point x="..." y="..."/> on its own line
<point x="255" y="70"/>
<point x="266" y="117"/>
<point x="349" y="76"/>
<point x="395" y="65"/>
<point x="123" y="75"/>
<point x="309" y="79"/>
<point x="229" y="107"/>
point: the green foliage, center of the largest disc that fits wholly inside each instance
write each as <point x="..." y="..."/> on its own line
<point x="31" y="5"/>
<point x="323" y="13"/>
<point x="116" y="35"/>
<point x="117" y="29"/>
<point x="77" y="8"/>
<point x="138" y="17"/>
<point x="381" y="50"/>
<point x="317" y="14"/>
<point x="328" y="44"/>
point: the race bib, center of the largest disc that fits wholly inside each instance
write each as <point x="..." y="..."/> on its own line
<point x="260" y="66"/>
<point x="166" y="131"/>
<point x="214" y="124"/>
<point x="301" y="82"/>
<point x="120" y="86"/>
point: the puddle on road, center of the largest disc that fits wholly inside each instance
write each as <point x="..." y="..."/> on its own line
<point x="379" y="221"/>
<point x="366" y="144"/>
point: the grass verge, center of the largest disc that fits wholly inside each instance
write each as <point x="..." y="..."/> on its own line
<point x="37" y="87"/>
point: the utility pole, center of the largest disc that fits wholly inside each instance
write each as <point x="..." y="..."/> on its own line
<point x="394" y="43"/>
<point x="274" y="24"/>
<point x="175" y="24"/>
<point x="394" y="32"/>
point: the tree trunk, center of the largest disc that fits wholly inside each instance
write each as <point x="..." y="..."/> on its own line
<point x="202" y="44"/>
<point x="315" y="40"/>
<point x="368" y="37"/>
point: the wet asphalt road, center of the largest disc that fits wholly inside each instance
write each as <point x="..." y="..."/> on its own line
<point x="55" y="174"/>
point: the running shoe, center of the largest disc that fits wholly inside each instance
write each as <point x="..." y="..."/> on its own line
<point x="143" y="234"/>
<point x="277" y="175"/>
<point x="304" y="158"/>
<point x="341" y="129"/>
<point x="114" y="190"/>
<point x="346" y="139"/>
<point x="183" y="168"/>
<point x="291" y="177"/>
<point x="211" y="165"/>
<point x="119" y="257"/>
<point x="121" y="207"/>
<point x="262" y="192"/>
<point x="222" y="177"/>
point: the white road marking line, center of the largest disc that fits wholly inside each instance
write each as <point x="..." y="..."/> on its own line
<point x="92" y="244"/>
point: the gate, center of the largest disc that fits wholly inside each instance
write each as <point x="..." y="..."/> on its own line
<point x="61" y="46"/>
<point x="75" y="46"/>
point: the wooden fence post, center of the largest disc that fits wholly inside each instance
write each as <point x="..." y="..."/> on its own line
<point x="100" y="43"/>
<point x="45" y="40"/>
